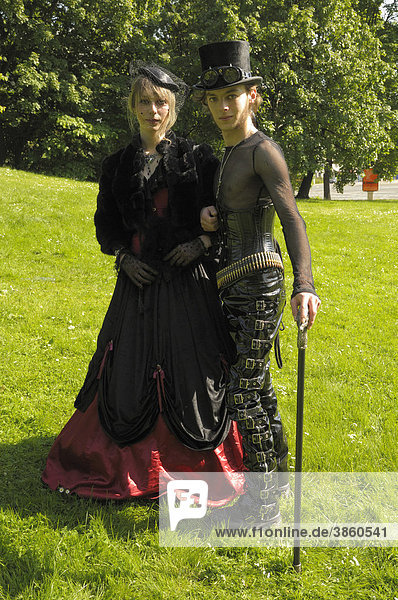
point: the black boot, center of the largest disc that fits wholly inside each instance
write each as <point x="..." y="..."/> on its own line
<point x="258" y="507"/>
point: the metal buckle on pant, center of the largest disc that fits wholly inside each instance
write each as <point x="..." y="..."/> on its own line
<point x="259" y="325"/>
<point x="261" y="440"/>
<point x="250" y="363"/>
<point x="267" y="509"/>
<point x="264" y="495"/>
<point x="256" y="344"/>
<point x="238" y="398"/>
<point x="250" y="424"/>
<point x="250" y="384"/>
<point x="242" y="414"/>
<point x="261" y="457"/>
<point x="260" y="305"/>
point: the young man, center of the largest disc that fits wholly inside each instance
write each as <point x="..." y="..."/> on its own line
<point x="251" y="184"/>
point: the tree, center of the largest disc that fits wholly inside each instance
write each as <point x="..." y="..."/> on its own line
<point x="63" y="87"/>
<point x="324" y="84"/>
<point x="324" y="75"/>
<point x="387" y="161"/>
<point x="329" y="88"/>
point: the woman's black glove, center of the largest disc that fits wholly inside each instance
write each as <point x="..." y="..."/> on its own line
<point x="139" y="272"/>
<point x="184" y="254"/>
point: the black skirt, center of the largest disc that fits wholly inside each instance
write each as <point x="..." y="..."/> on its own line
<point x="163" y="349"/>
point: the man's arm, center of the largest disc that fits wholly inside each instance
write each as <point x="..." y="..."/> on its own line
<point x="271" y="166"/>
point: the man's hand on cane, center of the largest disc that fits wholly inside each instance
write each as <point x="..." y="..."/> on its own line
<point x="305" y="304"/>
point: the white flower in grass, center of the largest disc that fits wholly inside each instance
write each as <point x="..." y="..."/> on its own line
<point x="354" y="437"/>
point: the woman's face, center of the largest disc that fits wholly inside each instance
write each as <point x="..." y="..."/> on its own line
<point x="152" y="113"/>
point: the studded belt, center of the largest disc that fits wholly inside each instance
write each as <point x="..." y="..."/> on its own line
<point x="248" y="264"/>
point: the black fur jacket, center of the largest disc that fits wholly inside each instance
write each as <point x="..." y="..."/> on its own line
<point x="124" y="205"/>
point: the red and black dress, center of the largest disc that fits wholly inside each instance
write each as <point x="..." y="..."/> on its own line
<point x="154" y="396"/>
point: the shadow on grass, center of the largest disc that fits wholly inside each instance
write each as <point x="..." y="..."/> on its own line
<point x="34" y="520"/>
<point x="22" y="491"/>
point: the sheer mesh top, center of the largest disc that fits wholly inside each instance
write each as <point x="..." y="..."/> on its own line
<point x="255" y="171"/>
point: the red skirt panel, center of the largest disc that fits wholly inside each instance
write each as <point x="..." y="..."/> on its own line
<point x="85" y="461"/>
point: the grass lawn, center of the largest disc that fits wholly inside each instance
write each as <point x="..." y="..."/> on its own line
<point x="54" y="289"/>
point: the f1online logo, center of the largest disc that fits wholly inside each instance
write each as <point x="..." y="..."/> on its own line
<point x="186" y="499"/>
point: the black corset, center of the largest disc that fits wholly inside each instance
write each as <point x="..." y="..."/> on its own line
<point x="245" y="232"/>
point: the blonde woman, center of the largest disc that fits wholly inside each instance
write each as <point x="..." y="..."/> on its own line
<point x="153" y="399"/>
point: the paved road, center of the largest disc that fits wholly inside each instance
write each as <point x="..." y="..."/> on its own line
<point x="387" y="190"/>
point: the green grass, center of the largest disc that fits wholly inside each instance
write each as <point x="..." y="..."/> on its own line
<point x="54" y="290"/>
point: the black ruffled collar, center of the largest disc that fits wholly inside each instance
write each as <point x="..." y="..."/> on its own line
<point x="170" y="138"/>
<point x="178" y="161"/>
<point x="129" y="185"/>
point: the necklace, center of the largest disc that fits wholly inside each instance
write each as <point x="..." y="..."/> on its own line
<point x="151" y="162"/>
<point x="225" y="158"/>
<point x="224" y="161"/>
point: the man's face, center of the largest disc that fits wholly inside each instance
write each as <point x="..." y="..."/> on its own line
<point x="229" y="106"/>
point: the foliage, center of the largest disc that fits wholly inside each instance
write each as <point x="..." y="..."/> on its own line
<point x="387" y="162"/>
<point x="324" y="86"/>
<point x="62" y="92"/>
<point x="329" y="68"/>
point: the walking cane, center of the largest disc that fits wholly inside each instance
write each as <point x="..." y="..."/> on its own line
<point x="301" y="345"/>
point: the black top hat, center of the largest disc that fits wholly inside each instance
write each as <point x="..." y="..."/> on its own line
<point x="225" y="64"/>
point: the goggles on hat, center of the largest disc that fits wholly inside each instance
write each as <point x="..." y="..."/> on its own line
<point x="228" y="74"/>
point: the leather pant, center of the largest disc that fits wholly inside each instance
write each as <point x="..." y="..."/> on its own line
<point x="253" y="306"/>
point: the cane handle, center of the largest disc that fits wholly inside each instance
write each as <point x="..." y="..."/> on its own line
<point x="302" y="335"/>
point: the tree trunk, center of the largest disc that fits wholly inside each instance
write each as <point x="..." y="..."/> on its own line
<point x="3" y="146"/>
<point x="304" y="191"/>
<point x="326" y="180"/>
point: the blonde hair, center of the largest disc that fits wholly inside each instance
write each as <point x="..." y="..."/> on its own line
<point x="142" y="86"/>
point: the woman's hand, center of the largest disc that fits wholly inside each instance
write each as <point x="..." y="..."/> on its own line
<point x="140" y="273"/>
<point x="306" y="305"/>
<point x="184" y="254"/>
<point x="209" y="218"/>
